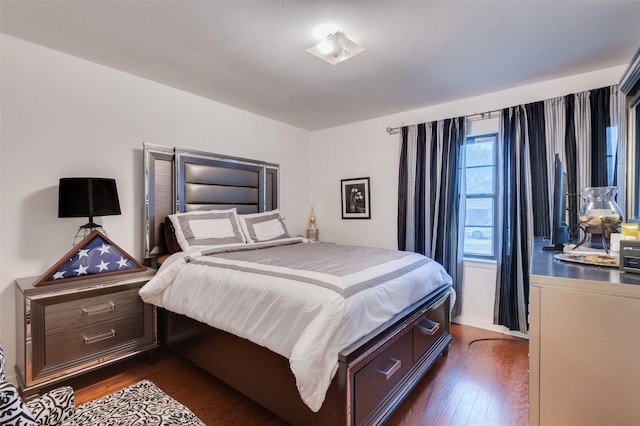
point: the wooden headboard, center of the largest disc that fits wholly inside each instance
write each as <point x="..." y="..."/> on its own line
<point x="181" y="180"/>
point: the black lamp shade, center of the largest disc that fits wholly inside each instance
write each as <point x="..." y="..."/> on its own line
<point x="88" y="197"/>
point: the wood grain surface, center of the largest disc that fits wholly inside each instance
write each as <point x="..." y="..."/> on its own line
<point x="482" y="383"/>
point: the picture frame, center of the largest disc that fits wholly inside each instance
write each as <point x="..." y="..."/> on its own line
<point x="356" y="198"/>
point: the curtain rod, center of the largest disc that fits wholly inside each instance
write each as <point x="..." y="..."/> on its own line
<point x="474" y="117"/>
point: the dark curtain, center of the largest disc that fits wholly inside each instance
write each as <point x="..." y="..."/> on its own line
<point x="445" y="245"/>
<point x="429" y="214"/>
<point x="600" y="120"/>
<point x="431" y="188"/>
<point x="540" y="181"/>
<point x="403" y="189"/>
<point x="571" y="167"/>
<point x="421" y="196"/>
<point x="526" y="159"/>
<point x="512" y="286"/>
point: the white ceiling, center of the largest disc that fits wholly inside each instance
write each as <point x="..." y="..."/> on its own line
<point x="251" y="54"/>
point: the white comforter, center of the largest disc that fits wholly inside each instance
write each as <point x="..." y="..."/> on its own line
<point x="303" y="301"/>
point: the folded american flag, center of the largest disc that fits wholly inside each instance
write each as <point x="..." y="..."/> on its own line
<point x="97" y="256"/>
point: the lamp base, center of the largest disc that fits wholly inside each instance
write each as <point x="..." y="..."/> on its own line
<point x="85" y="230"/>
<point x="90" y="225"/>
<point x="313" y="234"/>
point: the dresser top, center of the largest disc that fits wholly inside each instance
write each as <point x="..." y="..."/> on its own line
<point x="25" y="285"/>
<point x="547" y="271"/>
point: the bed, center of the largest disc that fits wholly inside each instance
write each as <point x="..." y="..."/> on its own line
<point x="313" y="338"/>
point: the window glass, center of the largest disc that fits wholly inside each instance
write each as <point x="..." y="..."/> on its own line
<point x="481" y="196"/>
<point x="480" y="152"/>
<point x="480" y="180"/>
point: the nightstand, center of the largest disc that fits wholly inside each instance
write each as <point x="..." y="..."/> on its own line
<point x="71" y="328"/>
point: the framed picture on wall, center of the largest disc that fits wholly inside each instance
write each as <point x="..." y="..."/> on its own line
<point x="356" y="198"/>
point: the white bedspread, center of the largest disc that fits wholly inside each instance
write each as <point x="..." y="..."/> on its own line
<point x="304" y="301"/>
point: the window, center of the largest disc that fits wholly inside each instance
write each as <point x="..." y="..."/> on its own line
<point x="480" y="173"/>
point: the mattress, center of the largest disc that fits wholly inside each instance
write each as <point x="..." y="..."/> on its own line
<point x="305" y="301"/>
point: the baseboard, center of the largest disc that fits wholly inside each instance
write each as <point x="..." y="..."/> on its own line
<point x="475" y="322"/>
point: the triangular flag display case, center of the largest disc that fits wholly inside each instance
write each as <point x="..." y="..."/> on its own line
<point x="95" y="255"/>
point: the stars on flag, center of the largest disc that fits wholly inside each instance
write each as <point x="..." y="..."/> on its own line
<point x="82" y="270"/>
<point x="104" y="249"/>
<point x="103" y="266"/>
<point x="95" y="257"/>
<point x="122" y="263"/>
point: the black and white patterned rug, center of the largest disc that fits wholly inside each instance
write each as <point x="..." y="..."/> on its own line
<point x="139" y="404"/>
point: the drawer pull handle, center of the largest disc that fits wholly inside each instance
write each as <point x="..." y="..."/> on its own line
<point x="99" y="337"/>
<point x="431" y="328"/>
<point x="395" y="366"/>
<point x="99" y="310"/>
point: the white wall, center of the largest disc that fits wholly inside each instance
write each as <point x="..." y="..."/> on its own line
<point x="365" y="149"/>
<point x="63" y="116"/>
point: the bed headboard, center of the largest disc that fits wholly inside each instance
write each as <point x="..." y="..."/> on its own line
<point x="180" y="180"/>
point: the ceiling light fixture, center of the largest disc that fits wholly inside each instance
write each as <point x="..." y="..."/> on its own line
<point x="335" y="48"/>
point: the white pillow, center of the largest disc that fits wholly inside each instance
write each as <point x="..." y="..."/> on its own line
<point x="264" y="226"/>
<point x="198" y="229"/>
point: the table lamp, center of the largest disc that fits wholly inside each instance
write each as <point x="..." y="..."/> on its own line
<point x="88" y="197"/>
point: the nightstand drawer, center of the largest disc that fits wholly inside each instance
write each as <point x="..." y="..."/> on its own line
<point x="62" y="317"/>
<point x="74" y="344"/>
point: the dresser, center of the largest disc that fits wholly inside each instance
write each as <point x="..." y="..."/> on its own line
<point x="67" y="329"/>
<point x="584" y="343"/>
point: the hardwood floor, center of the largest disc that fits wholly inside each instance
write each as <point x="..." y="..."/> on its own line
<point x="482" y="383"/>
